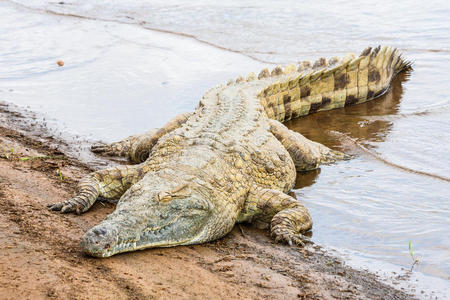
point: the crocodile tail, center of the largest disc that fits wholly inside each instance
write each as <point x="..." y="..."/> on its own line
<point x="333" y="84"/>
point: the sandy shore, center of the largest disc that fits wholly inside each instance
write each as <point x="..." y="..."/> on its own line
<point x="40" y="255"/>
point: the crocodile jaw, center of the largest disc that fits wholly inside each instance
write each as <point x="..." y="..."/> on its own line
<point x="126" y="230"/>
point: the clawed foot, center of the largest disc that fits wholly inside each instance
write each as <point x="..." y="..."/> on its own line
<point x="68" y="206"/>
<point x="287" y="236"/>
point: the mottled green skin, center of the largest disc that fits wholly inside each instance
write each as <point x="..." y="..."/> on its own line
<point x="228" y="161"/>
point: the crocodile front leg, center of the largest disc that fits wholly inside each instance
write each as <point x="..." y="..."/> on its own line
<point x="137" y="147"/>
<point x="123" y="147"/>
<point x="109" y="184"/>
<point x="307" y="155"/>
<point x="288" y="218"/>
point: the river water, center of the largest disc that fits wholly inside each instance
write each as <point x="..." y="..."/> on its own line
<point x="132" y="65"/>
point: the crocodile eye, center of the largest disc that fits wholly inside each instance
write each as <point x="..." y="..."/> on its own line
<point x="107" y="246"/>
<point x="164" y="197"/>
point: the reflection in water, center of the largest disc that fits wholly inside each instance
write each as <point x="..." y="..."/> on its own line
<point x="350" y="129"/>
<point x="307" y="178"/>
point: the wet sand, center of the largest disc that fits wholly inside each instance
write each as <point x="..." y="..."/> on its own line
<point x="40" y="255"/>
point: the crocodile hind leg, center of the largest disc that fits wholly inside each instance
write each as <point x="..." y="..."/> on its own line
<point x="307" y="155"/>
<point x="137" y="147"/>
<point x="109" y="184"/>
<point x="288" y="218"/>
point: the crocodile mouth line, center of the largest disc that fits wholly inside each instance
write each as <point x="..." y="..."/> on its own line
<point x="142" y="241"/>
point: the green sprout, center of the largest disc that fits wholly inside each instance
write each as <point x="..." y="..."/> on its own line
<point x="61" y="177"/>
<point x="7" y="155"/>
<point x="25" y="158"/>
<point x="413" y="257"/>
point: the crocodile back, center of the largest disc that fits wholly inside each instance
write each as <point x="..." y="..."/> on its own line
<point x="229" y="130"/>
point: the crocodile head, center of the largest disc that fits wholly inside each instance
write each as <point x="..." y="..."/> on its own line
<point x="175" y="215"/>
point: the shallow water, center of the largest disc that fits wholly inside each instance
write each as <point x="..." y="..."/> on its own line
<point x="121" y="78"/>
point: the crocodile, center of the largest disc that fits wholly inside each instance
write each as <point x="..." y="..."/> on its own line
<point x="231" y="160"/>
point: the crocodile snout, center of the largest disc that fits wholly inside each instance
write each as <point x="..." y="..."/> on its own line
<point x="96" y="242"/>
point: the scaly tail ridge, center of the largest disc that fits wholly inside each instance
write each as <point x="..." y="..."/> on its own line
<point x="327" y="85"/>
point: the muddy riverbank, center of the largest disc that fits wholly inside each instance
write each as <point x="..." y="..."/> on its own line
<point x="40" y="255"/>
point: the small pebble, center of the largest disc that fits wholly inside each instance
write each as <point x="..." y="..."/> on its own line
<point x="60" y="63"/>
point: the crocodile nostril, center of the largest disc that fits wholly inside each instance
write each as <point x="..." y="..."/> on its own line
<point x="99" y="231"/>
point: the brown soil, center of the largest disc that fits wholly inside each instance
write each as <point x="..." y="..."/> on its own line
<point x="40" y="255"/>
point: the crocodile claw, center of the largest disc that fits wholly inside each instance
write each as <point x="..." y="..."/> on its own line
<point x="71" y="205"/>
<point x="55" y="206"/>
<point x="290" y="238"/>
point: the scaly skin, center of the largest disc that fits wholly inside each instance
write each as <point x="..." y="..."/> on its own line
<point x="229" y="161"/>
